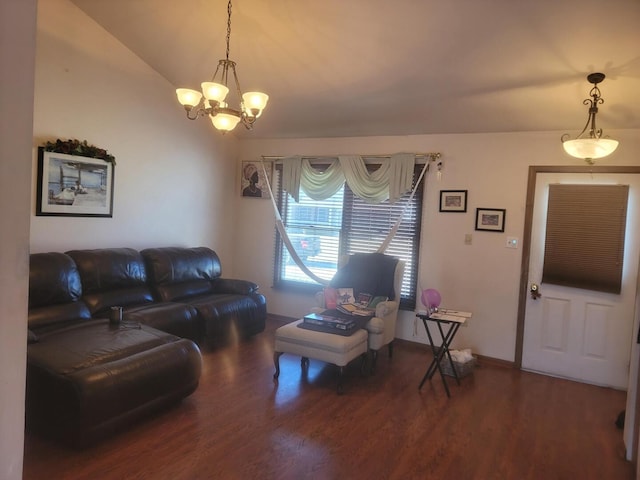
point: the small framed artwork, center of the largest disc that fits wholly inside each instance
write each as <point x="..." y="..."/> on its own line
<point x="490" y="219"/>
<point x="73" y="185"/>
<point x="253" y="182"/>
<point x="453" y="200"/>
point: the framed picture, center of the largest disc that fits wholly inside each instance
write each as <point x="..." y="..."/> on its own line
<point x="490" y="219"/>
<point x="73" y="185"/>
<point x="253" y="182"/>
<point x="453" y="200"/>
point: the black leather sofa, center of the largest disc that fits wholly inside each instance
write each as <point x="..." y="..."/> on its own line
<point x="87" y="378"/>
<point x="177" y="290"/>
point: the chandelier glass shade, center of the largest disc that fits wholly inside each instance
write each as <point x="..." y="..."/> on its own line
<point x="211" y="101"/>
<point x="594" y="145"/>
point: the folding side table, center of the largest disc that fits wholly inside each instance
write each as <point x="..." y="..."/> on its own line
<point x="453" y="322"/>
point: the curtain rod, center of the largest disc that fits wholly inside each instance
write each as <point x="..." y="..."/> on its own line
<point x="433" y="156"/>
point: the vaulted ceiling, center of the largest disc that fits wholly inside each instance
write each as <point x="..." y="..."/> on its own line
<point x="372" y="67"/>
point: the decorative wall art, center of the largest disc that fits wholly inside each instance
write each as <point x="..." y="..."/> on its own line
<point x="253" y="182"/>
<point x="453" y="200"/>
<point x="490" y="219"/>
<point x="73" y="184"/>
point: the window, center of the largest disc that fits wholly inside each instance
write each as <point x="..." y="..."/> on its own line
<point x="322" y="231"/>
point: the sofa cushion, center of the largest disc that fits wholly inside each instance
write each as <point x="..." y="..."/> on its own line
<point x="56" y="316"/>
<point x="176" y="272"/>
<point x="53" y="279"/>
<point x="229" y="316"/>
<point x="54" y="291"/>
<point x="179" y="319"/>
<point x="111" y="276"/>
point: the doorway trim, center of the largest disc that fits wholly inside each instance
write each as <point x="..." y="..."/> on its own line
<point x="526" y="236"/>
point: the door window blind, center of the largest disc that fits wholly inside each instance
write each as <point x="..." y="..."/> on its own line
<point x="584" y="243"/>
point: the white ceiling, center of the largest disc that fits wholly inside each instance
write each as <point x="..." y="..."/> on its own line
<point x="397" y="67"/>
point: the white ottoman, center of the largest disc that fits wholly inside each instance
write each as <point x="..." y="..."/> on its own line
<point x="327" y="347"/>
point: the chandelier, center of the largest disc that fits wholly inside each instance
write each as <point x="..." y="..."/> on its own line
<point x="212" y="102"/>
<point x="594" y="146"/>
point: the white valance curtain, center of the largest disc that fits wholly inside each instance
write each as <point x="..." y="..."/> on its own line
<point x="393" y="179"/>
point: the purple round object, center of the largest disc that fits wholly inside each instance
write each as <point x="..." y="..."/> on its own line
<point x="431" y="298"/>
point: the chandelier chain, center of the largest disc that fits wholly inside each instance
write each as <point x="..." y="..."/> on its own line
<point x="228" y="27"/>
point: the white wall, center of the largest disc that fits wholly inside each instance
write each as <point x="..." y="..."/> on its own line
<point x="482" y="277"/>
<point x="17" y="50"/>
<point x="171" y="177"/>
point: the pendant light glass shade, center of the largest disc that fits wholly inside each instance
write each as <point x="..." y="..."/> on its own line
<point x="225" y="121"/>
<point x="255" y="102"/>
<point x="214" y="91"/>
<point x="590" y="148"/>
<point x="188" y="97"/>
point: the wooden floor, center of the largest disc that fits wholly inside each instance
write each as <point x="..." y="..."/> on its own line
<point x="500" y="423"/>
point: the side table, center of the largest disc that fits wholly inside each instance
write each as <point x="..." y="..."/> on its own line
<point x="453" y="321"/>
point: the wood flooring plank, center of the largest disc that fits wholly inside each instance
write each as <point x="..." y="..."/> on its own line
<point x="500" y="423"/>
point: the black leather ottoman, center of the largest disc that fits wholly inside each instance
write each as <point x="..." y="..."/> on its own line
<point x="88" y="380"/>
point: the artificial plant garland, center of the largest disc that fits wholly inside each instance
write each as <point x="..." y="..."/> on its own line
<point x="76" y="147"/>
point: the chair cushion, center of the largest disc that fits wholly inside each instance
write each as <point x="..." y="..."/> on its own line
<point x="292" y="334"/>
<point x="368" y="273"/>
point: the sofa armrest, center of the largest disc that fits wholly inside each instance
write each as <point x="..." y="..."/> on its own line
<point x="385" y="308"/>
<point x="234" y="286"/>
<point x="382" y="327"/>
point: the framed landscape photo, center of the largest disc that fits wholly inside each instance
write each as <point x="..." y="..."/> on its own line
<point x="490" y="219"/>
<point x="73" y="185"/>
<point x="453" y="200"/>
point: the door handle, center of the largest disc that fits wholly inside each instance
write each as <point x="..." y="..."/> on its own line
<point x="535" y="291"/>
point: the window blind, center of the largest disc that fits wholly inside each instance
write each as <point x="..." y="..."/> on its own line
<point x="584" y="243"/>
<point x="368" y="225"/>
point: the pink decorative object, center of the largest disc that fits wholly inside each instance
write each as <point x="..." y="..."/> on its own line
<point x="330" y="298"/>
<point x="431" y="298"/>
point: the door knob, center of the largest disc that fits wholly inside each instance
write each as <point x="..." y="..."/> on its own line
<point x="535" y="291"/>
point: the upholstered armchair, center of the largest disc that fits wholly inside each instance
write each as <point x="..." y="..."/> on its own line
<point x="379" y="275"/>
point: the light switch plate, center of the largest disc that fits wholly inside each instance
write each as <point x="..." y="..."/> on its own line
<point x="512" y="242"/>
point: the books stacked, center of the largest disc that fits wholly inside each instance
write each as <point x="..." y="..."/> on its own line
<point x="329" y="321"/>
<point x="364" y="305"/>
<point x="356" y="309"/>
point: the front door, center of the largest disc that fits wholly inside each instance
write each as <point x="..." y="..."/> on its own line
<point x="574" y="333"/>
